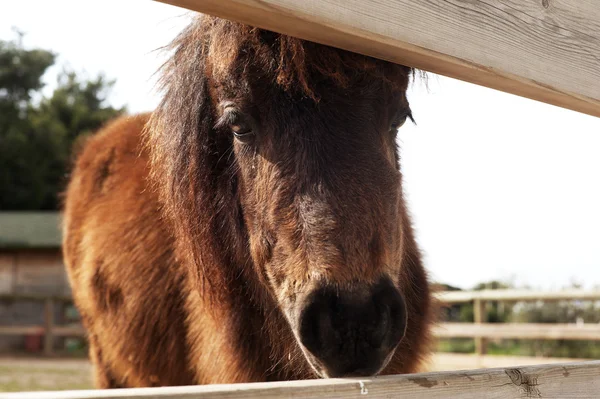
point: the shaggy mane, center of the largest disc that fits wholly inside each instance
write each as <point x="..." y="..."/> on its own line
<point x="296" y="65"/>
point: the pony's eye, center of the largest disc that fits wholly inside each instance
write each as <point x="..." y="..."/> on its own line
<point x="243" y="133"/>
<point x="398" y="124"/>
<point x="237" y="122"/>
<point x="400" y="121"/>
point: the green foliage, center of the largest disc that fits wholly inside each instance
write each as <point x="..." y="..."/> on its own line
<point x="456" y="345"/>
<point x="496" y="312"/>
<point x="36" y="137"/>
<point x="21" y="71"/>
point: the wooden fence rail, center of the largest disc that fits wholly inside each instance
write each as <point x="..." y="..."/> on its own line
<point x="510" y="295"/>
<point x="564" y="381"/>
<point x="586" y="332"/>
<point x="548" y="50"/>
<point x="480" y="331"/>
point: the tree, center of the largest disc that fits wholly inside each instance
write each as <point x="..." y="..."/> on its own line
<point x="36" y="138"/>
<point x="20" y="75"/>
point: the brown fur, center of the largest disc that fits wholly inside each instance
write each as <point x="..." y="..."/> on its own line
<point x="189" y="253"/>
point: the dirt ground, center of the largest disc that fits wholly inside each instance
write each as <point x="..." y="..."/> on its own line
<point x="27" y="374"/>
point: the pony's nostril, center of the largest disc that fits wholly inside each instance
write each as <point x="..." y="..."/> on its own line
<point x="316" y="327"/>
<point x="350" y="332"/>
<point x="397" y="320"/>
<point x="381" y="326"/>
<point x="324" y="325"/>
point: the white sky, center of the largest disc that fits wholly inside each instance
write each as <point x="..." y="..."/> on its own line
<point x="500" y="187"/>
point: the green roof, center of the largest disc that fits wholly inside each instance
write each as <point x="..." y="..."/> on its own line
<point x="30" y="230"/>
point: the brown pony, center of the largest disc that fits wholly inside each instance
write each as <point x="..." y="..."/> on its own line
<point x="253" y="227"/>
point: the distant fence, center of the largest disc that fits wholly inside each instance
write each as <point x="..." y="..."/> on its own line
<point x="480" y="331"/>
<point x="49" y="329"/>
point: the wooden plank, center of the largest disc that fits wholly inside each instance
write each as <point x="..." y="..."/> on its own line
<point x="41" y="272"/>
<point x="565" y="381"/>
<point x="547" y="50"/>
<point x="69" y="331"/>
<point x="57" y="331"/>
<point x="445" y="330"/>
<point x="480" y="316"/>
<point x="48" y="326"/>
<point x="450" y="297"/>
<point x="21" y="330"/>
<point x="584" y="332"/>
<point x="7" y="272"/>
<point x="30" y="296"/>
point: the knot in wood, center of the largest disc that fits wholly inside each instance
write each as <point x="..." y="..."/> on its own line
<point x="526" y="383"/>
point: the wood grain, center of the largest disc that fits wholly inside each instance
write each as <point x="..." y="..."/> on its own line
<point x="564" y="381"/>
<point x="547" y="50"/>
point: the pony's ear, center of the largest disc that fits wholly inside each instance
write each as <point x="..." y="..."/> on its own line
<point x="197" y="195"/>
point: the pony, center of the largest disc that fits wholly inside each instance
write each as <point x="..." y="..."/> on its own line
<point x="253" y="227"/>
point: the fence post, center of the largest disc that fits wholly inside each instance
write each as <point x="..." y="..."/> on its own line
<point x="480" y="317"/>
<point x="49" y="326"/>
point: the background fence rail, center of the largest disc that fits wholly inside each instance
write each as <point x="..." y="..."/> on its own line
<point x="586" y="332"/>
<point x="511" y="295"/>
<point x="480" y="331"/>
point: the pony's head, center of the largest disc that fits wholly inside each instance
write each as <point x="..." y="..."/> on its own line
<point x="279" y="155"/>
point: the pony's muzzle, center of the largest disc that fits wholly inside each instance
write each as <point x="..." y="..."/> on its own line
<point x="352" y="333"/>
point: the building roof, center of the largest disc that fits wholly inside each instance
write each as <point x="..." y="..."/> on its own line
<point x="30" y="230"/>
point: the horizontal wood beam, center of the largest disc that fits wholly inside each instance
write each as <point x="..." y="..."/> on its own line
<point x="585" y="332"/>
<point x="451" y="297"/>
<point x="570" y="380"/>
<point x="35" y="297"/>
<point x="547" y="50"/>
<point x="21" y="330"/>
<point x="447" y="297"/>
<point x="60" y="331"/>
<point x="69" y="331"/>
<point x="589" y="332"/>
